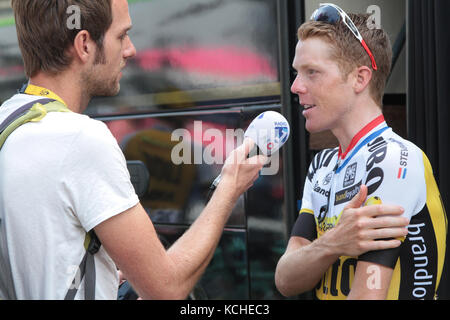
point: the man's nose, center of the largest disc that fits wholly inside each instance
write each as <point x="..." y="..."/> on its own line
<point x="298" y="86"/>
<point x="130" y="51"/>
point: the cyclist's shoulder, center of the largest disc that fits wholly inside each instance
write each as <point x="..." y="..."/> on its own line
<point x="324" y="156"/>
<point x="395" y="150"/>
<point x="323" y="159"/>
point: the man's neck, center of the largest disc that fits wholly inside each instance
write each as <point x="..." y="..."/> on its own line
<point x="354" y="122"/>
<point x="66" y="87"/>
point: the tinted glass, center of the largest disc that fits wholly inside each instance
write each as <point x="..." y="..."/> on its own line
<point x="226" y="277"/>
<point x="189" y="53"/>
<point x="183" y="154"/>
<point x="196" y="52"/>
<point x="266" y="214"/>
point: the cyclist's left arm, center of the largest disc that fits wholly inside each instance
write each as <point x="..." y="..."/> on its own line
<point x="401" y="183"/>
<point x="371" y="281"/>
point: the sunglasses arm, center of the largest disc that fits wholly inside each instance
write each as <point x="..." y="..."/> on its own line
<point x="374" y="65"/>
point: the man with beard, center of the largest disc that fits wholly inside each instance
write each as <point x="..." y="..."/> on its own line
<point x="65" y="176"/>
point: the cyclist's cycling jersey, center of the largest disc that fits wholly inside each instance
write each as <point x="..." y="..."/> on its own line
<point x="395" y="172"/>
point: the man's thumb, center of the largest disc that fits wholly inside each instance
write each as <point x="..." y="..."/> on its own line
<point x="359" y="199"/>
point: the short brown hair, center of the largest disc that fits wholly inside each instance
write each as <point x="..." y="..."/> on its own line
<point x="44" y="35"/>
<point x="350" y="54"/>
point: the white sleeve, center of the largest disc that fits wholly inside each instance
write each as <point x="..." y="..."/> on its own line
<point x="399" y="178"/>
<point x="96" y="178"/>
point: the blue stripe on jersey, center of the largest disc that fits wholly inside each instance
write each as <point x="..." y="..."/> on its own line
<point x="366" y="141"/>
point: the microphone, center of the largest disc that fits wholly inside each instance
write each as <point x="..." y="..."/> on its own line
<point x="270" y="130"/>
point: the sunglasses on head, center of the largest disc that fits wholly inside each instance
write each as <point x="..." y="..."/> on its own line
<point x="332" y="14"/>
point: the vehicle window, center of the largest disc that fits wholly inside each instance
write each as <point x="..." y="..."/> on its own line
<point x="189" y="53"/>
<point x="197" y="52"/>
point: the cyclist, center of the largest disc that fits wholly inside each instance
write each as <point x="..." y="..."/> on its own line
<point x="342" y="66"/>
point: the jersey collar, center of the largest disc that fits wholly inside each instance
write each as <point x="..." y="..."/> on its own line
<point x="364" y="131"/>
<point x="42" y="92"/>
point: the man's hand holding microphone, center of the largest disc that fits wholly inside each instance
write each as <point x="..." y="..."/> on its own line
<point x="240" y="172"/>
<point x="266" y="133"/>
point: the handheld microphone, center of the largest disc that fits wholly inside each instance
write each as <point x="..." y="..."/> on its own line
<point x="270" y="130"/>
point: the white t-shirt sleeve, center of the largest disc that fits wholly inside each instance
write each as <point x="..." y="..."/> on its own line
<point x="96" y="177"/>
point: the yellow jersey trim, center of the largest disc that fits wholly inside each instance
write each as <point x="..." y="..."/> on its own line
<point x="437" y="214"/>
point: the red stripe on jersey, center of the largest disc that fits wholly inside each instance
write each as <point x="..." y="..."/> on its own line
<point x="377" y="121"/>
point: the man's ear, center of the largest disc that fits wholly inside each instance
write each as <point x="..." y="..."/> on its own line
<point x="362" y="76"/>
<point x="83" y="46"/>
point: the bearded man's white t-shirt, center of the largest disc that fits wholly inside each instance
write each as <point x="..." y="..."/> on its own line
<point x="59" y="178"/>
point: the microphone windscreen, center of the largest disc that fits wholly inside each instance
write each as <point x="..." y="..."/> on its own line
<point x="270" y="130"/>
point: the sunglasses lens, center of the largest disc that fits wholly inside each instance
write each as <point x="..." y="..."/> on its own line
<point x="326" y="14"/>
<point x="333" y="14"/>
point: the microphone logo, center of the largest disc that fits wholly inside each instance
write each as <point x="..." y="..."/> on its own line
<point x="282" y="134"/>
<point x="270" y="130"/>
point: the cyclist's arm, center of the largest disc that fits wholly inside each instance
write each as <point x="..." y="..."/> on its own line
<point x="375" y="268"/>
<point x="371" y="281"/>
<point x="306" y="258"/>
<point x="302" y="265"/>
<point x="305" y="261"/>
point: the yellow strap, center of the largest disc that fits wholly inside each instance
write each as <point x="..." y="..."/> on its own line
<point x="54" y="106"/>
<point x="87" y="240"/>
<point x="43" y="92"/>
<point x="35" y="114"/>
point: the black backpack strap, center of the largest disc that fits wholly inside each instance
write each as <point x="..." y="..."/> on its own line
<point x="86" y="269"/>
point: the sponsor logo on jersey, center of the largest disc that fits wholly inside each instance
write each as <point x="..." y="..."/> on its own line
<point x="323" y="192"/>
<point x="403" y="163"/>
<point x="347" y="194"/>
<point x="375" y="176"/>
<point x="424" y="280"/>
<point x="325" y="223"/>
<point x="336" y="283"/>
<point x="327" y="179"/>
<point x="350" y="174"/>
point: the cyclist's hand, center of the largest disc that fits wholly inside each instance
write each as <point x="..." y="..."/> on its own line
<point x="359" y="227"/>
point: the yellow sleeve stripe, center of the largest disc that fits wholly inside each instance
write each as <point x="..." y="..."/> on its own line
<point x="306" y="211"/>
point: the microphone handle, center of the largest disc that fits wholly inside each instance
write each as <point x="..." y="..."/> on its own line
<point x="213" y="187"/>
